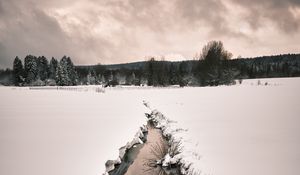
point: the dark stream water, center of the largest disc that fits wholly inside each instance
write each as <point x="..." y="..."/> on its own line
<point x="140" y="160"/>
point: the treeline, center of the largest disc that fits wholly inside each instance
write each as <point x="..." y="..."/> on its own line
<point x="37" y="71"/>
<point x="287" y="65"/>
<point x="193" y="72"/>
<point x="213" y="67"/>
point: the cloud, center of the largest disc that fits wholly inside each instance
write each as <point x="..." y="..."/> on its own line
<point x="113" y="31"/>
<point x="285" y="14"/>
<point x="28" y="31"/>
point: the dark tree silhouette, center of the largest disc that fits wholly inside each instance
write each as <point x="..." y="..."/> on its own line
<point x="52" y="68"/>
<point x="18" y="72"/>
<point x="43" y="68"/>
<point x="213" y="67"/>
<point x="31" y="68"/>
<point x="212" y="64"/>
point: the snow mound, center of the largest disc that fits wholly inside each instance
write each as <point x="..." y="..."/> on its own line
<point x="138" y="139"/>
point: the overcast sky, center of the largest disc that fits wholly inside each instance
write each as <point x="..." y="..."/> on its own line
<point x="114" y="31"/>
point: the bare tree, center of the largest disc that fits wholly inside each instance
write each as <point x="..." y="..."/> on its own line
<point x="214" y="52"/>
<point x="213" y="64"/>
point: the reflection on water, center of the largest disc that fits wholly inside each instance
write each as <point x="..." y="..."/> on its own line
<point x="129" y="157"/>
<point x="154" y="149"/>
<point x="158" y="150"/>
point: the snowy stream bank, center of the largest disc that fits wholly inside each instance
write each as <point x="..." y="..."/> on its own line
<point x="154" y="150"/>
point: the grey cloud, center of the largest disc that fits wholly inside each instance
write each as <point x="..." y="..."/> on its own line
<point x="112" y="31"/>
<point x="161" y="17"/>
<point x="212" y="14"/>
<point x="151" y="14"/>
<point x="3" y="54"/>
<point x="195" y="11"/>
<point x="26" y="30"/>
<point x="278" y="12"/>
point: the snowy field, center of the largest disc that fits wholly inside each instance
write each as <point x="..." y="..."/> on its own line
<point x="252" y="128"/>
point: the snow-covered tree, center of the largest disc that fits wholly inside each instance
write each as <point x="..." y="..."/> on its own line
<point x="61" y="77"/>
<point x="43" y="68"/>
<point x="18" y="72"/>
<point x="71" y="71"/>
<point x="131" y="79"/>
<point x="91" y="78"/>
<point x="52" y="68"/>
<point x="31" y="69"/>
<point x="102" y="79"/>
<point x="65" y="73"/>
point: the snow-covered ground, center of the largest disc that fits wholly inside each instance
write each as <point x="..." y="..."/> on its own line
<point x="63" y="132"/>
<point x="241" y="129"/>
<point x="244" y="129"/>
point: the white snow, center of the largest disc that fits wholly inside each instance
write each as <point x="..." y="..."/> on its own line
<point x="231" y="130"/>
<point x="64" y="132"/>
<point x="244" y="129"/>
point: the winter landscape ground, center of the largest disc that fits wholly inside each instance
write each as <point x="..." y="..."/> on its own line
<point x="249" y="128"/>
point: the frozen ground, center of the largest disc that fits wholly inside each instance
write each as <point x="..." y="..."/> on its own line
<point x="52" y="132"/>
<point x="243" y="129"/>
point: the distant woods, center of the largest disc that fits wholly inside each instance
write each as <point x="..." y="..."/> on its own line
<point x="212" y="67"/>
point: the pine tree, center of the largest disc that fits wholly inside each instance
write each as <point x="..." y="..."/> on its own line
<point x="18" y="72"/>
<point x="134" y="80"/>
<point x="65" y="73"/>
<point x="102" y="79"/>
<point x="130" y="79"/>
<point x="43" y="69"/>
<point x="52" y="68"/>
<point x="72" y="75"/>
<point x="58" y="75"/>
<point x="149" y="71"/>
<point x="173" y="74"/>
<point x="31" y="70"/>
<point x="61" y="77"/>
<point x="91" y="78"/>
